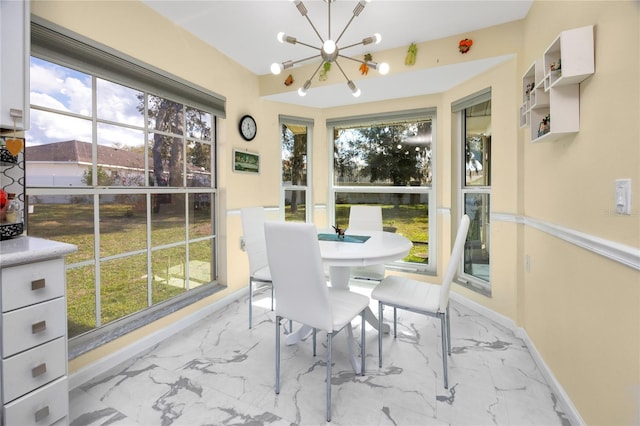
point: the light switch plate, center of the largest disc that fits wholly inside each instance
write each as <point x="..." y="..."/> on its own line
<point x="623" y="196"/>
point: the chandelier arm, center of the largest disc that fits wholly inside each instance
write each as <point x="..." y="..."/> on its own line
<point x="345" y="28"/>
<point x="316" y="71"/>
<point x="308" y="45"/>
<point x="352" y="45"/>
<point x="351" y="59"/>
<point x="329" y="20"/>
<point x="304" y="59"/>
<point x="340" y="68"/>
<point x="314" y="29"/>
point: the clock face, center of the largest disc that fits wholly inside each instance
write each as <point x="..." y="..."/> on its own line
<point x="248" y="128"/>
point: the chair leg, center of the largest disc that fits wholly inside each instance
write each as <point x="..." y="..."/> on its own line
<point x="329" y="361"/>
<point x="362" y="343"/>
<point x="278" y="354"/>
<point x="272" y="296"/>
<point x="380" y="310"/>
<point x="448" y="318"/>
<point x="250" y="303"/>
<point x="443" y="331"/>
<point x="314" y="342"/>
<point x="395" y="322"/>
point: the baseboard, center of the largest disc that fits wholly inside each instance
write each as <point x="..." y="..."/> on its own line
<point x="104" y="364"/>
<point x="558" y="390"/>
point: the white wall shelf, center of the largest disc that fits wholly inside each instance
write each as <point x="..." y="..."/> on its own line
<point x="551" y="86"/>
<point x="573" y="52"/>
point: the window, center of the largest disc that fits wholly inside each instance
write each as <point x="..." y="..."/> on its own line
<point x="296" y="148"/>
<point x="128" y="176"/>
<point x="475" y="191"/>
<point x="388" y="161"/>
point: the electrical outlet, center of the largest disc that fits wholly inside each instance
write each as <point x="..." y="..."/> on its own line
<point x="623" y="196"/>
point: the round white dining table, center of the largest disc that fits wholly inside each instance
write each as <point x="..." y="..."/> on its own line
<point x="380" y="248"/>
<point x="340" y="255"/>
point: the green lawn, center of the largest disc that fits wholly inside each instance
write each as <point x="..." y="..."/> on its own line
<point x="123" y="280"/>
<point x="123" y="229"/>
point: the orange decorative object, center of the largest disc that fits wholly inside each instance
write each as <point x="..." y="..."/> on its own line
<point x="14" y="146"/>
<point x="364" y="68"/>
<point x="289" y="80"/>
<point x="465" y="45"/>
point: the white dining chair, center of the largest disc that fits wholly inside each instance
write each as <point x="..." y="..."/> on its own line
<point x="302" y="292"/>
<point x="422" y="297"/>
<point x="253" y="219"/>
<point x="361" y="220"/>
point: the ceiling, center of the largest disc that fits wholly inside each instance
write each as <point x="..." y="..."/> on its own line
<point x="246" y="32"/>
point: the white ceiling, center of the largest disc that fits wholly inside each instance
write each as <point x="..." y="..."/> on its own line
<point x="246" y="32"/>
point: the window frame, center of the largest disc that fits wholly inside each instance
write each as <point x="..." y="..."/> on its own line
<point x="392" y="117"/>
<point x="462" y="189"/>
<point x="65" y="48"/>
<point x="308" y="188"/>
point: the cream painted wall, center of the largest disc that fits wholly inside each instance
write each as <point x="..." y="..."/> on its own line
<point x="580" y="309"/>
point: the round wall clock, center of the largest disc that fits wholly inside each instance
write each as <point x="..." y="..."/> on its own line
<point x="247" y="127"/>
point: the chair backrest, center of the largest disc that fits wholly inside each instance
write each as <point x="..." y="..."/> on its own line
<point x="456" y="254"/>
<point x="253" y="219"/>
<point x="365" y="218"/>
<point x="295" y="263"/>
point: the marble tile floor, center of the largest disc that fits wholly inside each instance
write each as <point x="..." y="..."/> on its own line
<point x="218" y="372"/>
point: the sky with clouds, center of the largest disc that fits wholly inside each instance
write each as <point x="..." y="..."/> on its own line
<point x="67" y="96"/>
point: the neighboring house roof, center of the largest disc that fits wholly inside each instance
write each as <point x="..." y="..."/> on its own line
<point x="80" y="152"/>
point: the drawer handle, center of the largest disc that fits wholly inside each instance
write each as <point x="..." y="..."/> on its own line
<point x="38" y="327"/>
<point x="37" y="284"/>
<point x="39" y="370"/>
<point x="42" y="413"/>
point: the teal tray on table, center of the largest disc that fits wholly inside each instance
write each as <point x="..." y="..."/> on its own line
<point x="346" y="239"/>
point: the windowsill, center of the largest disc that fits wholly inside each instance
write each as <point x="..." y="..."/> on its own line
<point x="95" y="338"/>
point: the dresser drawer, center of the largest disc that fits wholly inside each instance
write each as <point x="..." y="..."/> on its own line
<point x="26" y="285"/>
<point x="43" y="407"/>
<point x="33" y="368"/>
<point x="28" y="327"/>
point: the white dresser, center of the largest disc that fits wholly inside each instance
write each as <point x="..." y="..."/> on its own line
<point x="33" y="370"/>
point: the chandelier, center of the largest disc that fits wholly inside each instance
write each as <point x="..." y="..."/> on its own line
<point x="329" y="50"/>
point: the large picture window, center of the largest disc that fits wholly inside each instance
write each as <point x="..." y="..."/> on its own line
<point x="388" y="162"/>
<point x="129" y="177"/>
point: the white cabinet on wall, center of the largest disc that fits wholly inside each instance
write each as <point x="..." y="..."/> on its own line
<point x="15" y="48"/>
<point x="33" y="364"/>
<point x="551" y="86"/>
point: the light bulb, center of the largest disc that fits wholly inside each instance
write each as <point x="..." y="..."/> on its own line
<point x="329" y="47"/>
<point x="354" y="90"/>
<point x="383" y="68"/>
<point x="276" y="68"/>
<point x="303" y="90"/>
<point x="377" y="38"/>
<point x="280" y="37"/>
